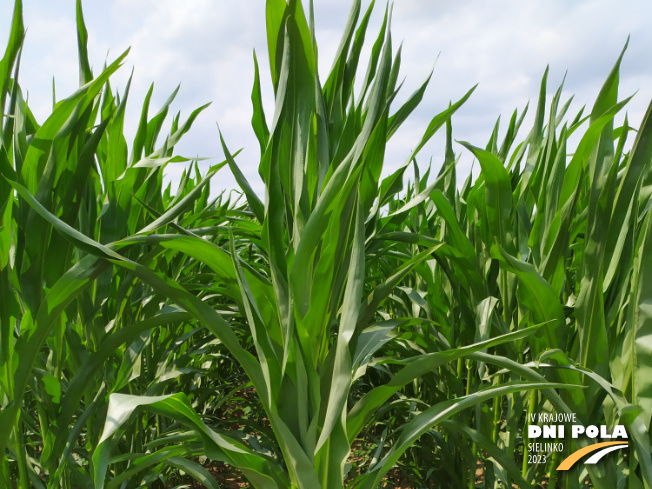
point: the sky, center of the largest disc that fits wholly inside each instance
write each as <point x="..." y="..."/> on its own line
<point x="207" y="47"/>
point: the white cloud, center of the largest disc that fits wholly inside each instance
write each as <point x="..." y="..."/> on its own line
<point x="206" y="45"/>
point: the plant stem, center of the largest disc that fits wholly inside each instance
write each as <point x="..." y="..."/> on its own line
<point x="532" y="401"/>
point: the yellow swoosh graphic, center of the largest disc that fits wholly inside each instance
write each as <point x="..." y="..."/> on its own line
<point x="575" y="456"/>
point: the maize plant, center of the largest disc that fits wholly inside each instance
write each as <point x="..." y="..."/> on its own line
<point x="148" y="335"/>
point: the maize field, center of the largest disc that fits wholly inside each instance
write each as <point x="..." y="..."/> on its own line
<point x="343" y="329"/>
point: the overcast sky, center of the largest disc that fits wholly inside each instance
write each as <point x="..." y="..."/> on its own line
<point x="207" y="45"/>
